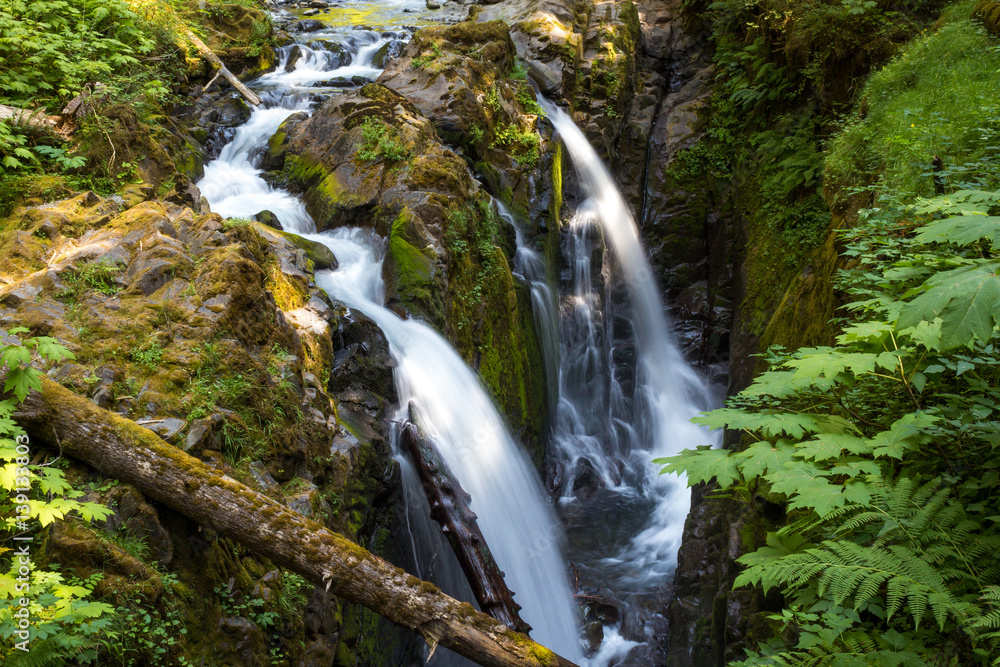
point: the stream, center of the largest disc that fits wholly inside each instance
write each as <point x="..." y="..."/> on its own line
<point x="624" y="396"/>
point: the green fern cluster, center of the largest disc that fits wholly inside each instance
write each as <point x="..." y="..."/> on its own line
<point x="885" y="448"/>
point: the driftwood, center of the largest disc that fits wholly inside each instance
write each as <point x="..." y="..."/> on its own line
<point x="119" y="448"/>
<point x="32" y="119"/>
<point x="213" y="59"/>
<point x="450" y="508"/>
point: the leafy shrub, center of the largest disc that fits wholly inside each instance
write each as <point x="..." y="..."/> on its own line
<point x="380" y="141"/>
<point x="62" y="624"/>
<point x="49" y="49"/>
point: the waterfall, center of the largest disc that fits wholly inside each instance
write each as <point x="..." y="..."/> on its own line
<point x="530" y="267"/>
<point x="619" y="430"/>
<point x="456" y="412"/>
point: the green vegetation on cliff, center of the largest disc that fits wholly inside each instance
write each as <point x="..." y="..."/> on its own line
<point x="129" y="60"/>
<point x="883" y="447"/>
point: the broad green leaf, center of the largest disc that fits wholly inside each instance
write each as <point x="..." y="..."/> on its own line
<point x="702" y="465"/>
<point x="22" y="381"/>
<point x="962" y="230"/>
<point x="967" y="300"/>
<point x="829" y="362"/>
<point x="51" y="480"/>
<point x="865" y="332"/>
<point x="779" y="384"/>
<point x="768" y="422"/>
<point x="906" y="434"/>
<point x="763" y="456"/>
<point x="94" y="511"/>
<point x="963" y="202"/>
<point x="927" y="334"/>
<point x="821" y="448"/>
<point x="52" y="349"/>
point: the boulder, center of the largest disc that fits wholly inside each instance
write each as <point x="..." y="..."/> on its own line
<point x="306" y="25"/>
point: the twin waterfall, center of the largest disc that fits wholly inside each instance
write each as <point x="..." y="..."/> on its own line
<point x="602" y="424"/>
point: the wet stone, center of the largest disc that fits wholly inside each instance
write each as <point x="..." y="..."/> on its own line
<point x="167" y="428"/>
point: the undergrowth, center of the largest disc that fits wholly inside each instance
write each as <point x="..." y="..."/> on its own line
<point x="884" y="447"/>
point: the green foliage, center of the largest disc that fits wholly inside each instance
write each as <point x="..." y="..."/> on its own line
<point x="63" y="625"/>
<point x="425" y="59"/>
<point x="232" y="223"/>
<point x="525" y="143"/>
<point x="526" y="98"/>
<point x="100" y="276"/>
<point x="50" y="49"/>
<point x="916" y="109"/>
<point x="885" y="449"/>
<point x="149" y="353"/>
<point x="147" y="632"/>
<point x="381" y="141"/>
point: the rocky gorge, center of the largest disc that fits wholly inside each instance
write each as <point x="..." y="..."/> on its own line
<point x="284" y="286"/>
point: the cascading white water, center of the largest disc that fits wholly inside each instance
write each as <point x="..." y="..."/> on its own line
<point x="458" y="415"/>
<point x="455" y="410"/>
<point x="530" y="266"/>
<point x="667" y="393"/>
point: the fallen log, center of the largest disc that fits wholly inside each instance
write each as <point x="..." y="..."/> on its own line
<point x="120" y="448"/>
<point x="214" y="60"/>
<point x="33" y="119"/>
<point x="450" y="508"/>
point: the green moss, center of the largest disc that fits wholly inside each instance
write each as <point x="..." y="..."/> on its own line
<point x="555" y="207"/>
<point x="490" y="321"/>
<point x="412" y="274"/>
<point x="988" y="12"/>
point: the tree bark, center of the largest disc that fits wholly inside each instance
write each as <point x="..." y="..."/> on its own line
<point x="213" y="59"/>
<point x="450" y="508"/>
<point x="35" y="119"/>
<point x="119" y="448"/>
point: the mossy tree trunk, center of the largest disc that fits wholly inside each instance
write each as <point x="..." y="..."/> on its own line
<point x="119" y="448"/>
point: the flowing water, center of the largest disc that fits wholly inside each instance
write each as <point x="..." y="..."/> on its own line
<point x="626" y="397"/>
<point x="514" y="514"/>
<point x="621" y="393"/>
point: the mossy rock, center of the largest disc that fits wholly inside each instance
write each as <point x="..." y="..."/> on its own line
<point x="412" y="274"/>
<point x="988" y="12"/>
<point x="490" y="41"/>
<point x="317" y="253"/>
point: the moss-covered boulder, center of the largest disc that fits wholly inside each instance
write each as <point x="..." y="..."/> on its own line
<point x="371" y="158"/>
<point x="988" y="12"/>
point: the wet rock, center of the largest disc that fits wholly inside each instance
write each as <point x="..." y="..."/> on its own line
<point x="593" y="637"/>
<point x="433" y="4"/>
<point x="168" y="428"/>
<point x="307" y="25"/>
<point x="263" y="479"/>
<point x="304" y="500"/>
<point x="243" y="640"/>
<point x="268" y="218"/>
<point x="18" y="295"/>
<point x="361" y="357"/>
<point x="294" y="55"/>
<point x="310" y="12"/>
<point x="274" y="155"/>
<point x="203" y="433"/>
<point x="138" y="519"/>
<point x="586" y="481"/>
<point x="343" y="82"/>
<point x="103" y="398"/>
<point x="387" y="52"/>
